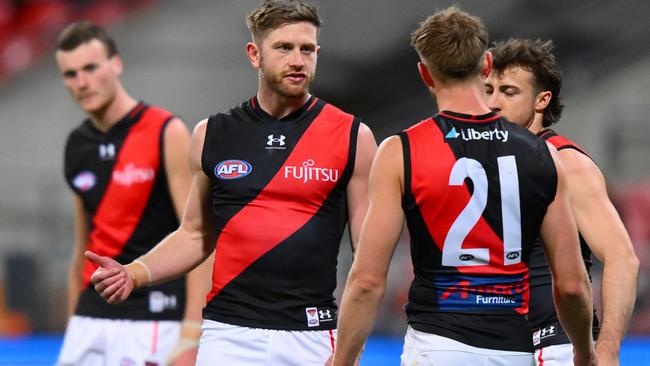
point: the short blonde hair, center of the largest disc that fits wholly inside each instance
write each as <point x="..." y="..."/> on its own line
<point x="273" y="13"/>
<point x="451" y="43"/>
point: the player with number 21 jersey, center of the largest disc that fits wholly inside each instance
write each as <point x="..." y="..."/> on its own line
<point x="470" y="240"/>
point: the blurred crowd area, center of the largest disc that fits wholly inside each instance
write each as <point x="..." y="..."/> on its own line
<point x="32" y="299"/>
<point x="28" y="27"/>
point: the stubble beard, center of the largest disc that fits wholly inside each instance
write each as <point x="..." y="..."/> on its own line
<point x="278" y="84"/>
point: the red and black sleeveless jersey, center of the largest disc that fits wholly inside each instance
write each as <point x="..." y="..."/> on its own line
<point x="280" y="209"/>
<point x="476" y="192"/>
<point x="120" y="177"/>
<point x="542" y="315"/>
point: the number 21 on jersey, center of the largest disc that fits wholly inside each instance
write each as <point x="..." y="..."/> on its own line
<point x="453" y="254"/>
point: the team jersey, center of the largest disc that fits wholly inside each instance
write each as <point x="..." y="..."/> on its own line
<point x="120" y="177"/>
<point x="476" y="189"/>
<point x="542" y="315"/>
<point x="280" y="208"/>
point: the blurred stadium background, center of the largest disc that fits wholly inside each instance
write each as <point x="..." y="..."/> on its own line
<point x="188" y="56"/>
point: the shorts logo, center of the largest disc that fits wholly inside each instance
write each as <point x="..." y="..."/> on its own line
<point x="312" y="317"/>
<point x="84" y="181"/>
<point x="232" y="169"/>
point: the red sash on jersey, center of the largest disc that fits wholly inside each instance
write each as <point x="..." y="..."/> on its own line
<point x="127" y="194"/>
<point x="284" y="205"/>
<point x="560" y="142"/>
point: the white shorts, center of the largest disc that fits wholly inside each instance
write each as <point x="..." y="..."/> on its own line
<point x="426" y="349"/>
<point x="225" y="344"/>
<point x="106" y="342"/>
<point x="556" y="355"/>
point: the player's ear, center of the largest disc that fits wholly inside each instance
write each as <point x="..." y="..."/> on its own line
<point x="425" y="75"/>
<point x="253" y="54"/>
<point x="116" y="64"/>
<point x="487" y="64"/>
<point x="542" y="100"/>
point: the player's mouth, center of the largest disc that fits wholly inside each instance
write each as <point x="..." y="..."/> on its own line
<point x="85" y="96"/>
<point x="296" y="77"/>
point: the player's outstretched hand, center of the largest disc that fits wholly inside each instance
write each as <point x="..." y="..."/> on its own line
<point x="110" y="279"/>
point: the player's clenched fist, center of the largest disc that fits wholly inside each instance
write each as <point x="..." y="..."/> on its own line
<point x="111" y="279"/>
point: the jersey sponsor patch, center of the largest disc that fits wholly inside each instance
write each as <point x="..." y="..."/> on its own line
<point x="471" y="134"/>
<point x="458" y="292"/>
<point x="159" y="302"/>
<point x="309" y="171"/>
<point x="84" y="181"/>
<point x="131" y="175"/>
<point x="317" y="316"/>
<point x="232" y="169"/>
<point x="312" y="317"/>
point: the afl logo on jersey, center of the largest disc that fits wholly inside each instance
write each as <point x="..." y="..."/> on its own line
<point x="84" y="181"/>
<point x="232" y="169"/>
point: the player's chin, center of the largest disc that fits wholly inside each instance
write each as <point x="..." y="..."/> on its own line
<point x="295" y="90"/>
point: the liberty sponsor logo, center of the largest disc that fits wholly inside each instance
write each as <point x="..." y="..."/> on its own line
<point x="471" y="134"/>
<point x="312" y="317"/>
<point x="309" y="172"/>
<point x="131" y="175"/>
<point x="275" y="142"/>
<point x="159" y="302"/>
<point x="232" y="169"/>
<point x="84" y="181"/>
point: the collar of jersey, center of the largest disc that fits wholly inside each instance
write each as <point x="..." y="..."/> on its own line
<point x="125" y="122"/>
<point x="488" y="117"/>
<point x="293" y="116"/>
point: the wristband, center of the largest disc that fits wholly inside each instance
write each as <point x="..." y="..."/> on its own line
<point x="140" y="274"/>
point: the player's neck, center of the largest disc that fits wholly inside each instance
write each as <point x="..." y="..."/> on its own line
<point x="279" y="106"/>
<point x="463" y="97"/>
<point x="107" y="117"/>
<point x="536" y="125"/>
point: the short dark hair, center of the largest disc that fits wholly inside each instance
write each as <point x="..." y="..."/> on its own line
<point x="536" y="57"/>
<point x="274" y="13"/>
<point x="81" y="32"/>
<point x="451" y="43"/>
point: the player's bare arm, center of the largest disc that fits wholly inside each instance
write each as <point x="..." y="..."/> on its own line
<point x="604" y="232"/>
<point x="379" y="234"/>
<point x="76" y="263"/>
<point x="357" y="190"/>
<point x="178" y="253"/>
<point x="177" y="142"/>
<point x="571" y="288"/>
